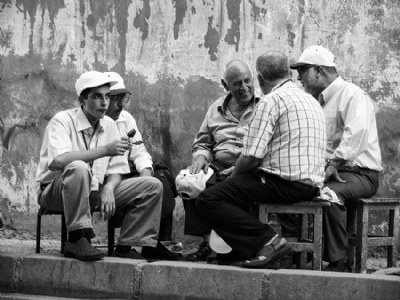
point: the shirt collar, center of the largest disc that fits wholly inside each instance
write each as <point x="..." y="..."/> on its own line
<point x="82" y="123"/>
<point x="280" y="84"/>
<point x="330" y="90"/>
<point x="223" y="105"/>
<point x="122" y="117"/>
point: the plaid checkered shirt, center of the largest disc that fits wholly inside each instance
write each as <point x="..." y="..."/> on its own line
<point x="288" y="133"/>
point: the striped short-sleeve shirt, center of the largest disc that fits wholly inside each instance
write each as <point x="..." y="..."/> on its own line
<point x="288" y="134"/>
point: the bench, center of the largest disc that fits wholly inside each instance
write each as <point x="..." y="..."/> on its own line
<point x="304" y="243"/>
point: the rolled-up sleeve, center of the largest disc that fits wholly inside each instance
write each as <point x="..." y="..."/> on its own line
<point x="59" y="140"/>
<point x="204" y="142"/>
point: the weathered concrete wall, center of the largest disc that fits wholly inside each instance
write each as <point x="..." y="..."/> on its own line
<point x="171" y="54"/>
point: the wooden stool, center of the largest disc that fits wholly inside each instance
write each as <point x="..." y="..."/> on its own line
<point x="42" y="211"/>
<point x="357" y="227"/>
<point x="303" y="209"/>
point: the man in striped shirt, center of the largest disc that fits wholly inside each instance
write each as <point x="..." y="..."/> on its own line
<point x="282" y="161"/>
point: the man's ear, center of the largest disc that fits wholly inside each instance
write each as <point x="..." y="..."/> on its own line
<point x="81" y="100"/>
<point x="318" y="70"/>
<point x="260" y="80"/>
<point x="225" y="85"/>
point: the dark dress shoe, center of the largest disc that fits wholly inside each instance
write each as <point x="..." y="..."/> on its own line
<point x="133" y="254"/>
<point x="201" y="254"/>
<point x="82" y="250"/>
<point x="160" y="252"/>
<point x="341" y="265"/>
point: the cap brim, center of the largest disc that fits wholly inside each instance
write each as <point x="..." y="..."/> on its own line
<point x="298" y="65"/>
<point x="119" y="91"/>
<point x="218" y="244"/>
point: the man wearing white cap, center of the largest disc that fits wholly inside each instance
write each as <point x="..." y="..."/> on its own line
<point x="81" y="160"/>
<point x="353" y="158"/>
<point x="140" y="162"/>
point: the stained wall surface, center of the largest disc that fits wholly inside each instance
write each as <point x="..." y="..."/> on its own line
<point x="171" y="54"/>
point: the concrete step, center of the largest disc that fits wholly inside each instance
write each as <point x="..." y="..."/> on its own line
<point x="17" y="296"/>
<point x="116" y="278"/>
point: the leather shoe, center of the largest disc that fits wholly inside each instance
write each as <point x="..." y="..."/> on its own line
<point x="160" y="252"/>
<point x="133" y="254"/>
<point x="341" y="265"/>
<point x="271" y="252"/>
<point x="82" y="250"/>
<point x="201" y="254"/>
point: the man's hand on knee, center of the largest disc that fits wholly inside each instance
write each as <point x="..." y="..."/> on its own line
<point x="332" y="174"/>
<point x="107" y="206"/>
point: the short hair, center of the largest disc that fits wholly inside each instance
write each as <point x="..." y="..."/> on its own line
<point x="273" y="65"/>
<point x="233" y="63"/>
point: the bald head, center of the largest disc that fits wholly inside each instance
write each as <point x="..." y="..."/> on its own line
<point x="238" y="80"/>
<point x="236" y="66"/>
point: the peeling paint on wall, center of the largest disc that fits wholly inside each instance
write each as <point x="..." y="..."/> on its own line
<point x="211" y="40"/>
<point x="140" y="21"/>
<point x="180" y="11"/>
<point x="233" y="35"/>
<point x="172" y="55"/>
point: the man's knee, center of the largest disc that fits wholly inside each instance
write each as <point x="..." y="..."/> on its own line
<point x="155" y="184"/>
<point x="78" y="167"/>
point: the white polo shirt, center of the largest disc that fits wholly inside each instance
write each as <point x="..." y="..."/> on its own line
<point x="66" y="131"/>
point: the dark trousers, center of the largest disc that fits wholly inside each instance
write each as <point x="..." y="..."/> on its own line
<point x="225" y="208"/>
<point x="360" y="183"/>
<point x="193" y="223"/>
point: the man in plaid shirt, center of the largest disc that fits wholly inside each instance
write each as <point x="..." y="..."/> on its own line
<point x="282" y="161"/>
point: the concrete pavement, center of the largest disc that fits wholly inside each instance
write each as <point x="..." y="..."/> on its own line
<point x="53" y="276"/>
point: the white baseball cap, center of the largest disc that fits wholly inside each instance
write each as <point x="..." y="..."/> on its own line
<point x="118" y="88"/>
<point x="218" y="244"/>
<point x="92" y="79"/>
<point x="315" y="55"/>
<point x="189" y="186"/>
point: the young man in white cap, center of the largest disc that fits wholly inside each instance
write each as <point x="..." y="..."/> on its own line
<point x="353" y="158"/>
<point x="81" y="160"/>
<point x="139" y="159"/>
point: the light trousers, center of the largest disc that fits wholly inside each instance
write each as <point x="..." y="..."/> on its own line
<point x="140" y="198"/>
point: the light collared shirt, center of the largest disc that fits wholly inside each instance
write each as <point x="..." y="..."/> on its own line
<point x="288" y="134"/>
<point x="220" y="136"/>
<point x="70" y="130"/>
<point x="351" y="125"/>
<point x="138" y="155"/>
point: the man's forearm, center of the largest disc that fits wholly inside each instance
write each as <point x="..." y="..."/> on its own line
<point x="86" y="155"/>
<point x="246" y="164"/>
<point x="112" y="181"/>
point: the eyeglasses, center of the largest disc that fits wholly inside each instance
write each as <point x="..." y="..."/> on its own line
<point x="122" y="98"/>
<point x="303" y="69"/>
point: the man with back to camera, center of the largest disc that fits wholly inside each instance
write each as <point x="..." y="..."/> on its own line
<point x="139" y="159"/>
<point x="81" y="160"/>
<point x="281" y="161"/>
<point x="219" y="141"/>
<point x="353" y="157"/>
